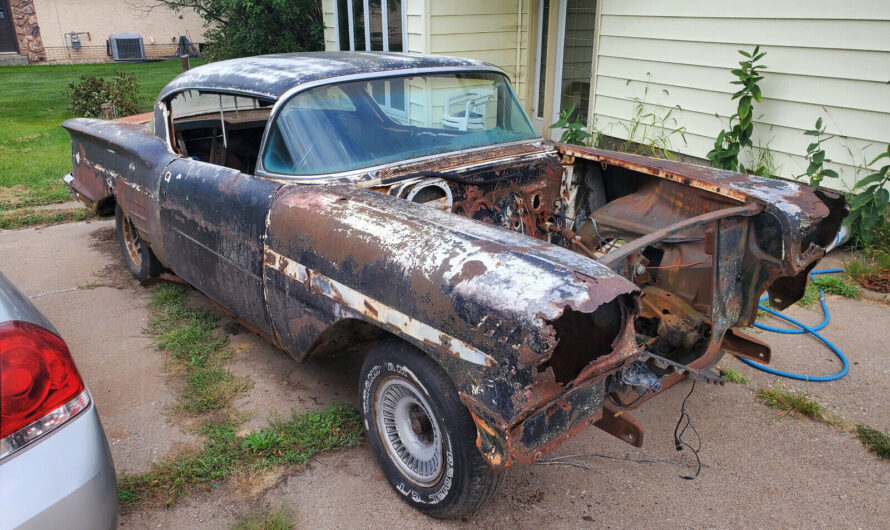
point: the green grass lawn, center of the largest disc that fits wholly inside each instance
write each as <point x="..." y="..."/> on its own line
<point x="35" y="151"/>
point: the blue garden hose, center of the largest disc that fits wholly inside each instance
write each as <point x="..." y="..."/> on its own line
<point x="803" y="329"/>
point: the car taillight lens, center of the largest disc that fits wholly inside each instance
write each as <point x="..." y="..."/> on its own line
<point x="40" y="388"/>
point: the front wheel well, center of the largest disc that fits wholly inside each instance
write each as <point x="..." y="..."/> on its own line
<point x="346" y="334"/>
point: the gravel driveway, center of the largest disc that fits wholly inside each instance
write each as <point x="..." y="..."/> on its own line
<point x="758" y="471"/>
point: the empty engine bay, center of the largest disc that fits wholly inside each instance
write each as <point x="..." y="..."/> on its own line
<point x="595" y="210"/>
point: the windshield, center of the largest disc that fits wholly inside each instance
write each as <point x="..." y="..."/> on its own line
<point x="347" y="126"/>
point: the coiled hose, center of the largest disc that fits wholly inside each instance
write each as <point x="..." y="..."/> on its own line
<point x="814" y="331"/>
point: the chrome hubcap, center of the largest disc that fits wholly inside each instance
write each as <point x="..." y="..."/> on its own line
<point x="409" y="432"/>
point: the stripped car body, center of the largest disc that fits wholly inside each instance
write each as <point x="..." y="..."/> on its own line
<point x="535" y="274"/>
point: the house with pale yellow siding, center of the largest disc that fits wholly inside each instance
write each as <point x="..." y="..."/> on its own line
<point x="825" y="59"/>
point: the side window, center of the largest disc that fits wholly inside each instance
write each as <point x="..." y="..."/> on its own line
<point x="221" y="129"/>
<point x="323" y="112"/>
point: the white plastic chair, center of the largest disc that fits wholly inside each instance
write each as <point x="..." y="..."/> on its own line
<point x="466" y="111"/>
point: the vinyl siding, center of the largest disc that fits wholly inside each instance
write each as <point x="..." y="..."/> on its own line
<point x="825" y="59"/>
<point x="483" y="30"/>
<point x="330" y="25"/>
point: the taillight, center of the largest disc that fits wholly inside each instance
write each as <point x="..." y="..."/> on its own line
<point x="40" y="388"/>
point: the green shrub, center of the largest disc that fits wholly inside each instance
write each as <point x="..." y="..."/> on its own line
<point x="86" y="96"/>
<point x="869" y="205"/>
<point x="573" y="130"/>
<point x="729" y="144"/>
<point x="816" y="170"/>
<point x="236" y="28"/>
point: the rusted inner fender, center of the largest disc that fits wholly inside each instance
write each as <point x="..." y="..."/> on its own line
<point x="485" y="303"/>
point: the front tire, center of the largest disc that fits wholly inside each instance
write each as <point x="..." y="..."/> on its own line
<point x="140" y="259"/>
<point x="422" y="435"/>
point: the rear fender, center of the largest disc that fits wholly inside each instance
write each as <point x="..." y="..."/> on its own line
<point x="123" y="161"/>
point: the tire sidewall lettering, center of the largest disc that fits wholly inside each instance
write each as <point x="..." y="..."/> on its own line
<point x="407" y="489"/>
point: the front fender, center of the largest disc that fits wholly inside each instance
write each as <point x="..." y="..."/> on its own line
<point x="515" y="322"/>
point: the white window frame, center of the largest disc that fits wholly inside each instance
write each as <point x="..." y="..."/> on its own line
<point x="393" y="112"/>
<point x="366" y="10"/>
<point x="537" y="114"/>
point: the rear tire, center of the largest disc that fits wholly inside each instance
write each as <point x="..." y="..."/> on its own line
<point x="140" y="259"/>
<point x="422" y="435"/>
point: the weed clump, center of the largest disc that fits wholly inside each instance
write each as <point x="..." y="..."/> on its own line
<point x="876" y="441"/>
<point x="277" y="519"/>
<point x="187" y="335"/>
<point x="734" y="377"/>
<point x="796" y="403"/>
<point x="293" y="442"/>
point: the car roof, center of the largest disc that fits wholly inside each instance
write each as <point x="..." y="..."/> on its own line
<point x="272" y="75"/>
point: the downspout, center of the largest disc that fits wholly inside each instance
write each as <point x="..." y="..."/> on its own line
<point x="518" y="39"/>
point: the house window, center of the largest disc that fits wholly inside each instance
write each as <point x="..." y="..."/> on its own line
<point x="370" y="25"/>
<point x="390" y="95"/>
<point x="577" y="66"/>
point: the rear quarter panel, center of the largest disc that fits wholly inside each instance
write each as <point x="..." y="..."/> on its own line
<point x="124" y="161"/>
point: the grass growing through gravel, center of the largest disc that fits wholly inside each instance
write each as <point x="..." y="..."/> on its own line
<point x="796" y="403"/>
<point x="187" y="335"/>
<point x="838" y="285"/>
<point x="26" y="217"/>
<point x="224" y="453"/>
<point x="802" y="405"/>
<point x="734" y="377"/>
<point x="35" y="152"/>
<point x="277" y="519"/>
<point x="876" y="441"/>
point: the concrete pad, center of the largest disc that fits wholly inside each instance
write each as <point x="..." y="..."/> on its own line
<point x="758" y="470"/>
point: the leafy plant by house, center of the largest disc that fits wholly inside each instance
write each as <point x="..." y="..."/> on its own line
<point x="869" y="205"/>
<point x="816" y="170"/>
<point x="573" y="129"/>
<point x="87" y="95"/>
<point x="649" y="133"/>
<point x="729" y="143"/>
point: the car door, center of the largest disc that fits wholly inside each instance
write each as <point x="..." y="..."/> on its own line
<point x="213" y="219"/>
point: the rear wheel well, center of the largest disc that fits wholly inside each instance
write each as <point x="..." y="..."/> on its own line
<point x="105" y="207"/>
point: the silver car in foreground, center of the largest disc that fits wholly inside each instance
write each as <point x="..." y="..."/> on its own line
<point x="55" y="466"/>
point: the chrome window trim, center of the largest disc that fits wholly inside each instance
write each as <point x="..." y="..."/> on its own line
<point x="292" y="92"/>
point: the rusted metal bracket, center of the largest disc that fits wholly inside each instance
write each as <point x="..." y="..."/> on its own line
<point x="616" y="260"/>
<point x="736" y="342"/>
<point x="705" y="376"/>
<point x="621" y="425"/>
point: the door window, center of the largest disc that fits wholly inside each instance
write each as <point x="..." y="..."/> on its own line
<point x="222" y="129"/>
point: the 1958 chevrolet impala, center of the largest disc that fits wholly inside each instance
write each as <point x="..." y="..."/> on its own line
<point x="508" y="291"/>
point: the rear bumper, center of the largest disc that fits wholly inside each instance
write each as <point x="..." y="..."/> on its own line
<point x="66" y="480"/>
<point x="78" y="192"/>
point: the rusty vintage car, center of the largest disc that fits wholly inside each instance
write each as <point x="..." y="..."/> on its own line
<point x="508" y="291"/>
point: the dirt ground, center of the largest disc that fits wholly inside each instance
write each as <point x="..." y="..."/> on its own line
<point x="759" y="471"/>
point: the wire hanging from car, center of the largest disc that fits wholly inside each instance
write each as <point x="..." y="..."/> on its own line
<point x="679" y="443"/>
<point x="679" y="265"/>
